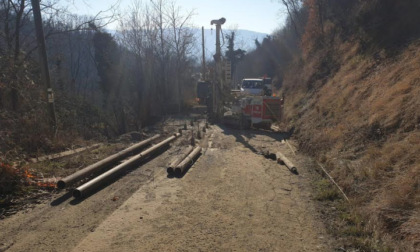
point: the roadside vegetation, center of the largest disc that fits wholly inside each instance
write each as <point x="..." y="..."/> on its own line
<point x="105" y="85"/>
<point x="349" y="71"/>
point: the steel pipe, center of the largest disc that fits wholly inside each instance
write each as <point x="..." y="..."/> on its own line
<point x="180" y="168"/>
<point x="69" y="180"/>
<point x="178" y="159"/>
<point x="92" y="184"/>
<point x="281" y="158"/>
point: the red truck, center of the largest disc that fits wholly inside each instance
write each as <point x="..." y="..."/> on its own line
<point x="253" y="110"/>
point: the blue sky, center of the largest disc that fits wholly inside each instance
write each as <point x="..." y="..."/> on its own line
<point x="254" y="15"/>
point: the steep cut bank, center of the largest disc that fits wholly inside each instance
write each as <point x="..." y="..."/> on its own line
<point x="358" y="113"/>
<point x="350" y="74"/>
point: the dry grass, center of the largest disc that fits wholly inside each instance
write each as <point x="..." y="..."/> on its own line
<point x="363" y="122"/>
<point x="8" y="178"/>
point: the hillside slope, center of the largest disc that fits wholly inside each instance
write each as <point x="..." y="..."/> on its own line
<point x="359" y="114"/>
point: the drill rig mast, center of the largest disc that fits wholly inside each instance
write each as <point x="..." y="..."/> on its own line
<point x="218" y="85"/>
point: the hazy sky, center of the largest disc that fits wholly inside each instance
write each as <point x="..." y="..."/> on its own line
<point x="255" y="15"/>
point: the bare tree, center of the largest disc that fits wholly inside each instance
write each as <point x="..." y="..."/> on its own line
<point x="160" y="22"/>
<point x="182" y="40"/>
<point x="292" y="7"/>
<point x="17" y="33"/>
<point x="136" y="34"/>
<point x="160" y="35"/>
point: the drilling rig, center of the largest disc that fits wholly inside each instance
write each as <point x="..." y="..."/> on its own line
<point x="218" y="83"/>
<point x="237" y="108"/>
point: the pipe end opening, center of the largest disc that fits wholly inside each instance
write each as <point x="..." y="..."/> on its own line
<point x="178" y="171"/>
<point x="77" y="194"/>
<point x="61" y="184"/>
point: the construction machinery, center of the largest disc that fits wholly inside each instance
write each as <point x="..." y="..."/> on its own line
<point x="251" y="105"/>
<point x="218" y="90"/>
<point x="246" y="111"/>
<point x="203" y="91"/>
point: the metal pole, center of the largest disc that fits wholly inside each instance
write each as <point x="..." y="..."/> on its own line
<point x="45" y="74"/>
<point x="178" y="160"/>
<point x="180" y="168"/>
<point x="281" y="158"/>
<point x="217" y="58"/>
<point x="89" y="170"/>
<point x="204" y="54"/>
<point x="94" y="183"/>
<point x="218" y="49"/>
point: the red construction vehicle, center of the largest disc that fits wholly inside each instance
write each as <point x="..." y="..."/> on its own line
<point x="261" y="109"/>
<point x="253" y="110"/>
<point x="252" y="105"/>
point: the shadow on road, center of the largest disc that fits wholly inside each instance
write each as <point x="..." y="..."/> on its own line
<point x="243" y="136"/>
<point x="106" y="182"/>
<point x="61" y="199"/>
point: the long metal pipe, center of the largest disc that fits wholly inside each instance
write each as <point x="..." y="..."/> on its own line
<point x="69" y="180"/>
<point x="178" y="159"/>
<point x="92" y="184"/>
<point x="180" y="168"/>
<point x="281" y="158"/>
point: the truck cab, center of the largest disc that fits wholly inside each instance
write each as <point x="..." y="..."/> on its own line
<point x="252" y="86"/>
<point x="256" y="86"/>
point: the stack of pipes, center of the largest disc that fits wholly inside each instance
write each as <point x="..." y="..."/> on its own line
<point x="178" y="166"/>
<point x="91" y="185"/>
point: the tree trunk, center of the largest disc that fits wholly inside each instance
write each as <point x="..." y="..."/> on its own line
<point x="1" y="99"/>
<point x="16" y="62"/>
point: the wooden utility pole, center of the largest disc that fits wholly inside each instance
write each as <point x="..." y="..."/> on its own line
<point x="45" y="74"/>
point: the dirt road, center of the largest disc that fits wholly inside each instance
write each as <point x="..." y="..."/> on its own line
<point x="231" y="199"/>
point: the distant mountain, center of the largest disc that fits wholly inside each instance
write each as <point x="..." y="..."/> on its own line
<point x="244" y="40"/>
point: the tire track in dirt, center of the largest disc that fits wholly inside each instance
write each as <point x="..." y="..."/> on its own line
<point x="230" y="200"/>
